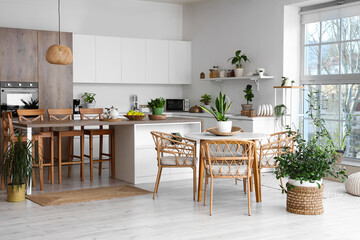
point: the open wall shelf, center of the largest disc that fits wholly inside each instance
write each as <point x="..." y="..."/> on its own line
<point x="251" y="78"/>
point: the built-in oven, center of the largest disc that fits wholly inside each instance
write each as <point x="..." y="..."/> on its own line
<point x="18" y="95"/>
<point x="177" y="105"/>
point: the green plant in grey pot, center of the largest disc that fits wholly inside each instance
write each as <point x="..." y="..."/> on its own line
<point x="89" y="99"/>
<point x="16" y="166"/>
<point x="157" y="105"/>
<point x="205" y="99"/>
<point x="219" y="113"/>
<point x="236" y="60"/>
<point x="249" y="95"/>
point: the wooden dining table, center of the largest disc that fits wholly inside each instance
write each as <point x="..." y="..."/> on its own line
<point x="203" y="136"/>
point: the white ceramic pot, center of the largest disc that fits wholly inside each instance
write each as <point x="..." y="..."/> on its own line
<point x="297" y="183"/>
<point x="90" y="105"/>
<point x="239" y="72"/>
<point x="288" y="83"/>
<point x="224" y="127"/>
<point x="261" y="74"/>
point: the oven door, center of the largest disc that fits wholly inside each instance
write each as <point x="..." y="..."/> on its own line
<point x="174" y="105"/>
<point x="19" y="98"/>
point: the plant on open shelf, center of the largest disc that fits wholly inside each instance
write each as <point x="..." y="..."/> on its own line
<point x="206" y="99"/>
<point x="236" y="60"/>
<point x="157" y="105"/>
<point x="249" y="95"/>
<point x="16" y="166"/>
<point x="279" y="113"/>
<point x="89" y="99"/>
<point x="219" y="113"/>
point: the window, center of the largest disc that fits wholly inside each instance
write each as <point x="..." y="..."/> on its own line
<point x="331" y="66"/>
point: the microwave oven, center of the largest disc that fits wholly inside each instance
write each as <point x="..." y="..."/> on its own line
<point x="177" y="105"/>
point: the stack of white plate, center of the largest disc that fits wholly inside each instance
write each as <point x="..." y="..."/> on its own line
<point x="265" y="110"/>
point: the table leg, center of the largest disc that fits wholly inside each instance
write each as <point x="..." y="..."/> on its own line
<point x="29" y="139"/>
<point x="256" y="175"/>
<point x="201" y="174"/>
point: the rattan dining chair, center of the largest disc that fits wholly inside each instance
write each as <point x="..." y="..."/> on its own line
<point x="228" y="159"/>
<point x="95" y="113"/>
<point x="61" y="115"/>
<point x="174" y="152"/>
<point x="38" y="115"/>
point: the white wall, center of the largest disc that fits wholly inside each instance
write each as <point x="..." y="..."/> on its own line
<point x="218" y="28"/>
<point x="122" y="18"/>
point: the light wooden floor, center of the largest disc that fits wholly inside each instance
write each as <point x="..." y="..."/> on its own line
<point x="174" y="215"/>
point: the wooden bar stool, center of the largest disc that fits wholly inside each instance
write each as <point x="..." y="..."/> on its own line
<point x="38" y="115"/>
<point x="62" y="115"/>
<point x="94" y="113"/>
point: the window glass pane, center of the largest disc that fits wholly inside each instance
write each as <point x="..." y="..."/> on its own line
<point x="330" y="31"/>
<point x="351" y="28"/>
<point x="329" y="59"/>
<point x="352" y="142"/>
<point x="329" y="100"/>
<point x="311" y="60"/>
<point x="312" y="33"/>
<point x="350" y="57"/>
<point x="350" y="99"/>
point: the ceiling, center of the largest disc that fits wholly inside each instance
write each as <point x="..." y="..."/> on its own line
<point x="176" y="1"/>
<point x="298" y="3"/>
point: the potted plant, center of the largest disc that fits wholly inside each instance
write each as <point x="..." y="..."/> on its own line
<point x="206" y="99"/>
<point x="16" y="165"/>
<point x="237" y="59"/>
<point x="157" y="105"/>
<point x="249" y="95"/>
<point x="306" y="167"/>
<point x="30" y="104"/>
<point x="279" y="113"/>
<point x="286" y="82"/>
<point x="219" y="112"/>
<point x="261" y="73"/>
<point x="89" y="99"/>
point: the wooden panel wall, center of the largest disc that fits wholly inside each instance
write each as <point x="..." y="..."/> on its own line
<point x="18" y="55"/>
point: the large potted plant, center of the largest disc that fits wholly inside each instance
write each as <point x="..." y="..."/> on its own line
<point x="236" y="60"/>
<point x="157" y="105"/>
<point x="219" y="112"/>
<point x="249" y="95"/>
<point x="16" y="166"/>
<point x="89" y="99"/>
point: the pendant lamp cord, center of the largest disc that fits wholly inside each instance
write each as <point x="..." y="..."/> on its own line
<point x="59" y="18"/>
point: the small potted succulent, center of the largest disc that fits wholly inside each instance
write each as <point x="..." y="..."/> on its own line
<point x="249" y="95"/>
<point x="157" y="105"/>
<point x="285" y="82"/>
<point x="89" y="99"/>
<point x="219" y="113"/>
<point x="16" y="166"/>
<point x="205" y="99"/>
<point x="236" y="60"/>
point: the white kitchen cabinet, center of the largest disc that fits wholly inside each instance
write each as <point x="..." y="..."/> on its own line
<point x="157" y="61"/>
<point x="84" y="59"/>
<point x="179" y="62"/>
<point x="108" y="59"/>
<point x="133" y="60"/>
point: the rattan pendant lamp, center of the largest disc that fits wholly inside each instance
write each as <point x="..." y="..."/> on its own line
<point x="59" y="54"/>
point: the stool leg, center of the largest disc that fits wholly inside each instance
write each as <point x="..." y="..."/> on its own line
<point x="112" y="155"/>
<point x="33" y="171"/>
<point x="71" y="152"/>
<point x="100" y="155"/>
<point x="60" y="164"/>
<point x="2" y="176"/>
<point x="52" y="159"/>
<point x="82" y="156"/>
<point x="41" y="161"/>
<point x="91" y="157"/>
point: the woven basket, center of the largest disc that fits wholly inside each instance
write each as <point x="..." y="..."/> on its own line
<point x="305" y="200"/>
<point x="59" y="54"/>
<point x="135" y="117"/>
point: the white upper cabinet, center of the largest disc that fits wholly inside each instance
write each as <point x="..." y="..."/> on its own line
<point x="108" y="59"/>
<point x="157" y="61"/>
<point x="179" y="62"/>
<point x="83" y="58"/>
<point x="133" y="60"/>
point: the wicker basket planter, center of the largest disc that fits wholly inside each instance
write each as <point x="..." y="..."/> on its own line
<point x="305" y="200"/>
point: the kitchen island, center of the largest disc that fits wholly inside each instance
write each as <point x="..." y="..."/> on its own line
<point x="135" y="155"/>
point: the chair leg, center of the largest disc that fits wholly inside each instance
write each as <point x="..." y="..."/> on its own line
<point x="41" y="162"/>
<point x="236" y="181"/>
<point x="91" y="143"/>
<point x="100" y="155"/>
<point x="52" y="160"/>
<point x="2" y="176"/>
<point x="260" y="182"/>
<point x="113" y="155"/>
<point x="249" y="200"/>
<point x="281" y="182"/>
<point x="194" y="182"/>
<point x="157" y="189"/>
<point x="211" y="195"/>
<point x="82" y="173"/>
<point x="71" y="153"/>
<point x="244" y="183"/>
<point x="251" y="185"/>
<point x="33" y="171"/>
<point x="60" y="164"/>
<point x="157" y="181"/>
<point x="205" y="189"/>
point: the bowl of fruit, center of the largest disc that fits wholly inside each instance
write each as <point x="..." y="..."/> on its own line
<point x="134" y="115"/>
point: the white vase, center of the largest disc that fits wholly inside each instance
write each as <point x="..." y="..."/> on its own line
<point x="224" y="127"/>
<point x="261" y="74"/>
<point x="90" y="105"/>
<point x="297" y="183"/>
<point x="239" y="72"/>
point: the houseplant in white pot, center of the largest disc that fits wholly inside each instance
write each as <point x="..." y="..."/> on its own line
<point x="89" y="99"/>
<point x="236" y="60"/>
<point x="221" y="107"/>
<point x="16" y="166"/>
